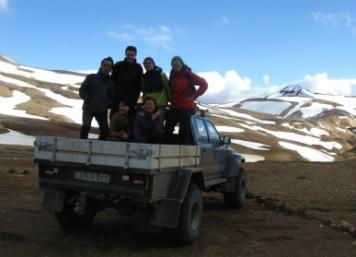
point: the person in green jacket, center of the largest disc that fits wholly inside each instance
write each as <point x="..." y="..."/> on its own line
<point x="155" y="84"/>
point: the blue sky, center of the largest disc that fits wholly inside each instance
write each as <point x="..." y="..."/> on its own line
<point x="269" y="42"/>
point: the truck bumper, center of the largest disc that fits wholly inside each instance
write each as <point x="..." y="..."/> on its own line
<point x="59" y="184"/>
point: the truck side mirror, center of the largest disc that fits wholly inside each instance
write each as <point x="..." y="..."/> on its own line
<point x="226" y="140"/>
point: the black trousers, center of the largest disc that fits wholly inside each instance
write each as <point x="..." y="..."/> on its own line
<point x="181" y="116"/>
<point x="101" y="118"/>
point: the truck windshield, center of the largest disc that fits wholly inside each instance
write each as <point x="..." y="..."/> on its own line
<point x="213" y="134"/>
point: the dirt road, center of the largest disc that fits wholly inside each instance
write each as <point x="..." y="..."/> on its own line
<point x="256" y="230"/>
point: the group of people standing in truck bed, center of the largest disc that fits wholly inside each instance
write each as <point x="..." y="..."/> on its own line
<point x="166" y="101"/>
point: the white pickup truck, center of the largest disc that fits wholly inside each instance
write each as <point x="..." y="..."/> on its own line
<point x="81" y="177"/>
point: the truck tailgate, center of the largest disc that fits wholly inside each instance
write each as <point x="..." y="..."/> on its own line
<point x="115" y="154"/>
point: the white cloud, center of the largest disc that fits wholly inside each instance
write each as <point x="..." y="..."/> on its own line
<point x="224" y="20"/>
<point x="155" y="36"/>
<point x="265" y="78"/>
<point x="326" y="19"/>
<point x="348" y="20"/>
<point x="232" y="87"/>
<point x="335" y="20"/>
<point x="122" y="36"/>
<point x="321" y="82"/>
<point x="4" y="4"/>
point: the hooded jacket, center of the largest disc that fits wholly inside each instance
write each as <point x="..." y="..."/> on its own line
<point x="96" y="91"/>
<point x="183" y="85"/>
<point x="127" y="78"/>
<point x="156" y="86"/>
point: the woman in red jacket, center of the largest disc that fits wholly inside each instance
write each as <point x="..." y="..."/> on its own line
<point x="183" y="94"/>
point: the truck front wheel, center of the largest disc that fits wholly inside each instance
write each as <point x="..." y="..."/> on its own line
<point x="237" y="198"/>
<point x="69" y="219"/>
<point x="188" y="229"/>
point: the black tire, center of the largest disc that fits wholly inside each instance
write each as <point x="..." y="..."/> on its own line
<point x="188" y="229"/>
<point x="68" y="219"/>
<point x="237" y="199"/>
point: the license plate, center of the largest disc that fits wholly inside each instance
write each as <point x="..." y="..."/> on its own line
<point x="92" y="177"/>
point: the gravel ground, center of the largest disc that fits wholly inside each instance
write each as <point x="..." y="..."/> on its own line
<point x="256" y="230"/>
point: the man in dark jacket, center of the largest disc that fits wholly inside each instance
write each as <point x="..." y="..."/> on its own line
<point x="96" y="91"/>
<point x="127" y="76"/>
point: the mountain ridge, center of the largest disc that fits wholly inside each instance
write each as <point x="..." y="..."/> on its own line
<point x="285" y="123"/>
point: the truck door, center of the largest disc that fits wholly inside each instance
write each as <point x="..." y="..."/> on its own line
<point x="202" y="139"/>
<point x="220" y="151"/>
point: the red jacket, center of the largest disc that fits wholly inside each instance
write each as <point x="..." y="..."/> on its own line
<point x="183" y="95"/>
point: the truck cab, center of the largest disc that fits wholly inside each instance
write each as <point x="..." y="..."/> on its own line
<point x="214" y="150"/>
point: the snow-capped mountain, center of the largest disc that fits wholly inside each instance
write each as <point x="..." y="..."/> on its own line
<point x="291" y="124"/>
<point x="292" y="90"/>
<point x="294" y="101"/>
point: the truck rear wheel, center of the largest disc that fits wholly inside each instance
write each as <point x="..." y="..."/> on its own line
<point x="188" y="229"/>
<point x="69" y="219"/>
<point x="236" y="199"/>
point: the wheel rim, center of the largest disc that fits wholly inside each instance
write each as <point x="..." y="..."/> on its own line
<point x="194" y="216"/>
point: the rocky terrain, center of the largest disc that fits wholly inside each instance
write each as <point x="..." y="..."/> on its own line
<point x="294" y="209"/>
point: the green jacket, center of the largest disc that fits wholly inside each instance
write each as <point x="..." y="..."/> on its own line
<point x="156" y="86"/>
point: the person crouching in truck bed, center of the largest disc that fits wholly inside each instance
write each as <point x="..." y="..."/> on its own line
<point x="183" y="94"/>
<point x="147" y="124"/>
<point x="96" y="91"/>
<point x="122" y="123"/>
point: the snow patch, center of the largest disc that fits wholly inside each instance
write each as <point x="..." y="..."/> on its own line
<point x="8" y="59"/>
<point x="304" y="130"/>
<point x="15" y="82"/>
<point x="252" y="157"/>
<point x="40" y="74"/>
<point x="317" y="132"/>
<point x="8" y="105"/>
<point x="315" y="109"/>
<point x="342" y="130"/>
<point x="73" y="111"/>
<point x="270" y="107"/>
<point x="252" y="145"/>
<point x="229" y="129"/>
<point x="246" y="116"/>
<point x="304" y="139"/>
<point x="16" y="138"/>
<point x="307" y="152"/>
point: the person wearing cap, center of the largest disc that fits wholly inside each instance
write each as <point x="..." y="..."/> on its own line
<point x="127" y="78"/>
<point x="183" y="84"/>
<point x="96" y="91"/>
